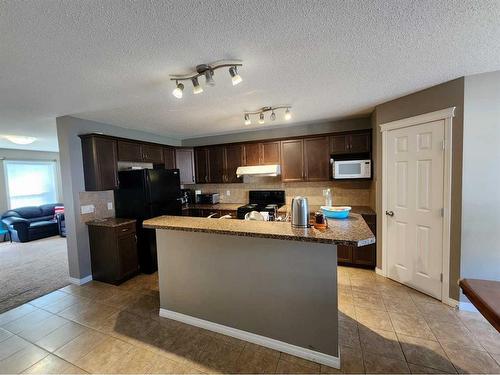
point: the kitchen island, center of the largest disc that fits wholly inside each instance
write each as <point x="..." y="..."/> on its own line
<point x="263" y="282"/>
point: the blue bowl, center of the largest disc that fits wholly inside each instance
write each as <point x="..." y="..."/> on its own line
<point x="339" y="212"/>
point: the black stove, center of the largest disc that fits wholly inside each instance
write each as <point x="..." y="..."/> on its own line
<point x="262" y="201"/>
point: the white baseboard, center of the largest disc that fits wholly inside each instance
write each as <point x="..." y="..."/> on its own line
<point x="467" y="306"/>
<point x="281" y="346"/>
<point x="85" y="280"/>
<point x="379" y="271"/>
<point x="450" y="302"/>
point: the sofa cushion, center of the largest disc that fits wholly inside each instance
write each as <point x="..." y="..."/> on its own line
<point x="10" y="213"/>
<point x="49" y="209"/>
<point x="29" y="212"/>
<point x="41" y="218"/>
<point x="42" y="223"/>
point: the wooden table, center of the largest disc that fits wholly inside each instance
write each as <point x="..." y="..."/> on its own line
<point x="485" y="296"/>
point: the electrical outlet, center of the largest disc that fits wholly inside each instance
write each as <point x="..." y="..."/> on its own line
<point x="228" y="192"/>
<point x="87" y="209"/>
<point x="110" y="205"/>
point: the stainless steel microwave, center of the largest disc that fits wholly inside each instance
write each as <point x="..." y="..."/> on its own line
<point x="346" y="169"/>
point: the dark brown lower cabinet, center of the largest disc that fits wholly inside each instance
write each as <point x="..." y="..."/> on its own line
<point x="113" y="252"/>
<point x="364" y="256"/>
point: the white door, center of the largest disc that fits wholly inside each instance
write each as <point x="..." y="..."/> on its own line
<point x="415" y="161"/>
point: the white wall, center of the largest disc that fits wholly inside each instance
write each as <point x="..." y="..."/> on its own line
<point x="481" y="178"/>
<point x="11" y="154"/>
<point x="70" y="152"/>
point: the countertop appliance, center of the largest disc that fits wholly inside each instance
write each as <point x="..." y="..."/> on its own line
<point x="347" y="169"/>
<point x="144" y="194"/>
<point x="262" y="201"/>
<point x="208" y="198"/>
<point x="300" y="212"/>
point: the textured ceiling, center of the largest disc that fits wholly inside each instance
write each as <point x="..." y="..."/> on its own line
<point x="109" y="60"/>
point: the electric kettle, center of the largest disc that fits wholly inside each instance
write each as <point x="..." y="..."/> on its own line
<point x="300" y="212"/>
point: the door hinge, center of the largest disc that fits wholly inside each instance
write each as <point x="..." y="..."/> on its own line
<point x="442" y="212"/>
<point x="444" y="144"/>
<point x="441" y="277"/>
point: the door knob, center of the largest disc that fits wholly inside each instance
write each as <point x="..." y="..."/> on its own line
<point x="389" y="213"/>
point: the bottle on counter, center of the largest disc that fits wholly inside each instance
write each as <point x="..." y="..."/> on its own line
<point x="327" y="194"/>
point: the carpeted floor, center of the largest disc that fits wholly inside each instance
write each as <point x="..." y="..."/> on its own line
<point x="32" y="269"/>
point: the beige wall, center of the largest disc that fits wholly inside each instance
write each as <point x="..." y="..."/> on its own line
<point x="353" y="193"/>
<point x="449" y="94"/>
<point x="480" y="256"/>
<point x="26" y="155"/>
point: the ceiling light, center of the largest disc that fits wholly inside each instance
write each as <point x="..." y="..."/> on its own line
<point x="20" y="139"/>
<point x="206" y="70"/>
<point x="235" y="77"/>
<point x="261" y="118"/>
<point x="263" y="110"/>
<point x="197" y="89"/>
<point x="247" y="119"/>
<point x="288" y="115"/>
<point x="178" y="90"/>
<point x="209" y="80"/>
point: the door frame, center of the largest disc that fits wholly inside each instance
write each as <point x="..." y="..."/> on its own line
<point x="446" y="115"/>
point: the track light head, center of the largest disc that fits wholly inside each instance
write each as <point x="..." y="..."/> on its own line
<point x="273" y="116"/>
<point x="261" y="118"/>
<point x="209" y="80"/>
<point x="178" y="90"/>
<point x="197" y="89"/>
<point x="235" y="77"/>
<point x="288" y="114"/>
<point x="247" y="119"/>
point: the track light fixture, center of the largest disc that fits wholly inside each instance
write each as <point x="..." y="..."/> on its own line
<point x="197" y="89"/>
<point x="260" y="112"/>
<point x="206" y="70"/>
<point x="247" y="119"/>
<point x="261" y="118"/>
<point x="178" y="90"/>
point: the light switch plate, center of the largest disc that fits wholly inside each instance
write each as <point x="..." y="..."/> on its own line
<point x="228" y="192"/>
<point x="87" y="209"/>
<point x="110" y="205"/>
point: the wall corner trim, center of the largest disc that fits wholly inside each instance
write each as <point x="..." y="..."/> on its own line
<point x="420" y="119"/>
<point x="84" y="280"/>
<point x="281" y="346"/>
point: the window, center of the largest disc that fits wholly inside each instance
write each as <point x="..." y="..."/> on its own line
<point x="30" y="183"/>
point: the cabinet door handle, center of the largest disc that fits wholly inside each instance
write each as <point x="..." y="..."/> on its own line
<point x="124" y="229"/>
<point x="389" y="213"/>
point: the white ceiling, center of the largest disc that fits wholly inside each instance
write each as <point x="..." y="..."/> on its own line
<point x="110" y="60"/>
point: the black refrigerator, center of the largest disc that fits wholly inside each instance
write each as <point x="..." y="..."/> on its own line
<point x="144" y="194"/>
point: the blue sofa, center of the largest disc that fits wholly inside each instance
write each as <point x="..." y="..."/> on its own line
<point x="31" y="223"/>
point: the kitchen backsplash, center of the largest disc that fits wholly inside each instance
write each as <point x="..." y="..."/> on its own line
<point x="100" y="200"/>
<point x="353" y="193"/>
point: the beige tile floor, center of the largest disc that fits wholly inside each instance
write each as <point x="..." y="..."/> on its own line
<point x="99" y="328"/>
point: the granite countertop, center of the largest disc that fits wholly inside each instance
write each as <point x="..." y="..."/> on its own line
<point x="351" y="231"/>
<point x="110" y="222"/>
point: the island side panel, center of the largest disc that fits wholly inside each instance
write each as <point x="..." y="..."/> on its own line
<point x="285" y="290"/>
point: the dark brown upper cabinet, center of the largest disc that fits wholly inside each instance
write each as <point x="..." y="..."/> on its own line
<point x="152" y="153"/>
<point x="251" y="153"/>
<point x="216" y="161"/>
<point x="233" y="159"/>
<point x="184" y="161"/>
<point x="129" y="151"/>
<point x="218" y="164"/>
<point x="350" y="143"/>
<point x="169" y="157"/>
<point x="100" y="165"/>
<point x="316" y="159"/>
<point x="201" y="165"/>
<point x="262" y="153"/>
<point x="140" y="152"/>
<point x="270" y="152"/>
<point x="292" y="160"/>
